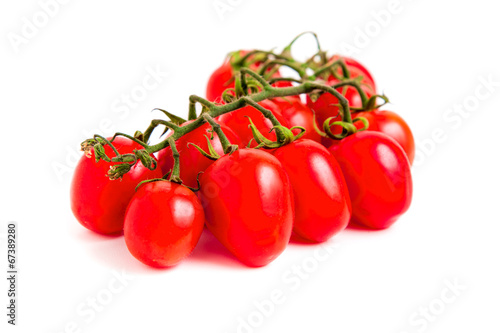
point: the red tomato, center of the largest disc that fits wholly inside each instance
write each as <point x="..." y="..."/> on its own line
<point x="192" y="162"/>
<point x="297" y="114"/>
<point x="248" y="204"/>
<point x="322" y="204"/>
<point x="163" y="223"/>
<point x="392" y="125"/>
<point x="99" y="203"/>
<point x="378" y="176"/>
<point x="237" y="120"/>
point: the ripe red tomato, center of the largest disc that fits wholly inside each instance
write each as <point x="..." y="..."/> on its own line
<point x="191" y="160"/>
<point x="298" y="114"/>
<point x="392" y="125"/>
<point x="163" y="223"/>
<point x="238" y="122"/>
<point x="99" y="203"/>
<point x="248" y="204"/>
<point x="378" y="176"/>
<point x="322" y="204"/>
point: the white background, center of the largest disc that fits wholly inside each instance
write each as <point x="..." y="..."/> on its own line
<point x="63" y="83"/>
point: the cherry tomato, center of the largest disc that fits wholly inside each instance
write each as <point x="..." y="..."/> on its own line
<point x="378" y="176"/>
<point x="238" y="122"/>
<point x="322" y="204"/>
<point x="248" y="204"/>
<point x="163" y="223"/>
<point x="298" y="114"/>
<point x="99" y="203"/>
<point x="192" y="162"/>
<point x="392" y="125"/>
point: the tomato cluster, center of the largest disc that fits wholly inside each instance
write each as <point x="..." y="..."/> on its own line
<point x="259" y="163"/>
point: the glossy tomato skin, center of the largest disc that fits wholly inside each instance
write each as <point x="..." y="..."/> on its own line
<point x="378" y="176"/>
<point x="99" y="203"/>
<point x="393" y="125"/>
<point x="163" y="223"/>
<point x="248" y="204"/>
<point x="237" y="120"/>
<point x="298" y="114"/>
<point x="322" y="204"/>
<point x="192" y="162"/>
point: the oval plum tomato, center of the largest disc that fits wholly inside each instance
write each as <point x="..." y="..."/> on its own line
<point x="298" y="114"/>
<point x="378" y="176"/>
<point x="99" y="203"/>
<point x="163" y="223"/>
<point x="248" y="204"/>
<point x="237" y="120"/>
<point x="322" y="204"/>
<point x="192" y="162"/>
<point x="393" y="125"/>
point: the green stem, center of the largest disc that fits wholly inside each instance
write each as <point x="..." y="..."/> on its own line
<point x="354" y="83"/>
<point x="154" y="124"/>
<point x="288" y="79"/>
<point x="331" y="67"/>
<point x="243" y="59"/>
<point x="226" y="144"/>
<point x="290" y="64"/>
<point x="215" y="110"/>
<point x="175" y="175"/>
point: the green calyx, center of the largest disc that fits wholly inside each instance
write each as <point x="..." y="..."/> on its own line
<point x="212" y="154"/>
<point x="347" y="128"/>
<point x="145" y="158"/>
<point x="286" y="135"/>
